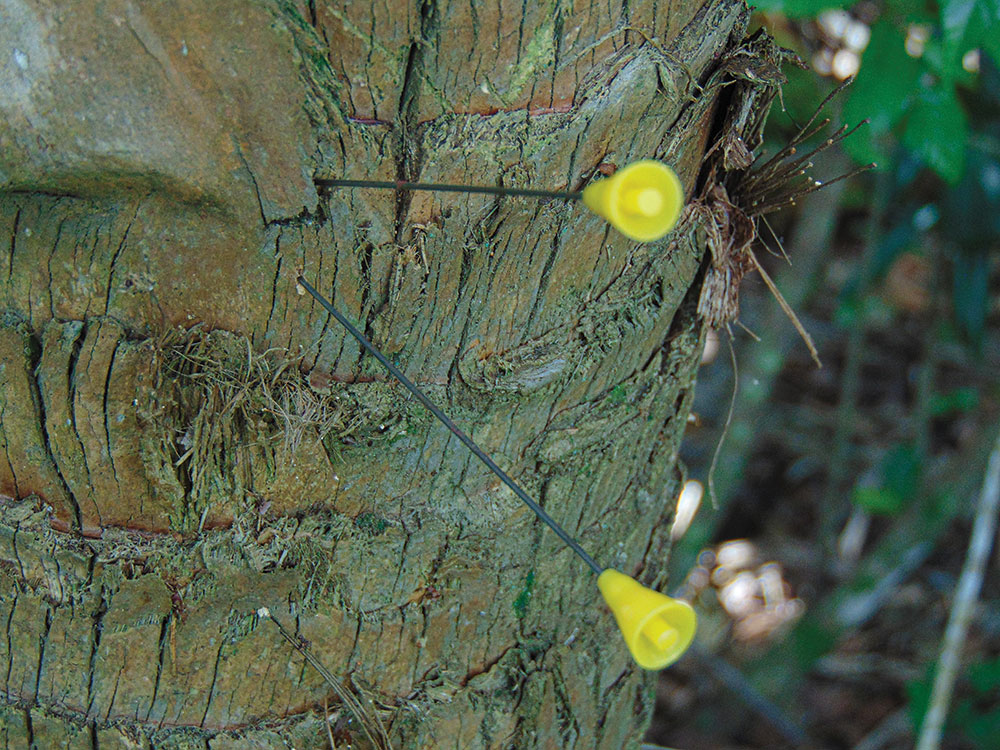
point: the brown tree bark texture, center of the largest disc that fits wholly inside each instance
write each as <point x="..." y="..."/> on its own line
<point x="156" y="165"/>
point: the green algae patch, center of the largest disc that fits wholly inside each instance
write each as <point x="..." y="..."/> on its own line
<point x="524" y="598"/>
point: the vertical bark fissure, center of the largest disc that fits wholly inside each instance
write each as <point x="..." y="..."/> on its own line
<point x="29" y="728"/>
<point x="43" y="638"/>
<point x="685" y="318"/>
<point x="6" y="451"/>
<point x="95" y="646"/>
<point x="402" y="563"/>
<point x="454" y="373"/>
<point x="525" y="8"/>
<point x="322" y="337"/>
<point x="116" y="255"/>
<point x="107" y="427"/>
<point x="253" y="181"/>
<point x="74" y="358"/>
<point x="10" y="639"/>
<point x="274" y="281"/>
<point x="35" y="382"/>
<point x="48" y="266"/>
<point x="357" y="636"/>
<point x="367" y="312"/>
<point x="557" y="35"/>
<point x="13" y="244"/>
<point x="114" y="694"/>
<point x="78" y="261"/>
<point x="215" y="676"/>
<point x="543" y="279"/>
<point x="318" y="276"/>
<point x="408" y="150"/>
<point x="160" y="658"/>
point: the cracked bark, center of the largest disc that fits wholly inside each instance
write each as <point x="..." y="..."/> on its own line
<point x="566" y="351"/>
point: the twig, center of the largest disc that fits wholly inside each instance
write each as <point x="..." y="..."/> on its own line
<point x="966" y="594"/>
<point x="891" y="728"/>
<point x="731" y="678"/>
<point x="726" y="426"/>
<point x="856" y="610"/>
<point x="787" y="309"/>
<point x="326" y="723"/>
<point x="369" y="721"/>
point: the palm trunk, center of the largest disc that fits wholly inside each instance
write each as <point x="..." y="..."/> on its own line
<point x="186" y="437"/>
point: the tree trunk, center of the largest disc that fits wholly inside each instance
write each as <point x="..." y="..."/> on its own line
<point x="186" y="437"/>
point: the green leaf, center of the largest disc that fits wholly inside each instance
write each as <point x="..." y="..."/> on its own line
<point x="901" y="471"/>
<point x="899" y="476"/>
<point x="984" y="34"/>
<point x="970" y="212"/>
<point x="879" y="501"/>
<point x="918" y="693"/>
<point x="880" y="95"/>
<point x="966" y="25"/>
<point x="800" y="8"/>
<point x="956" y="16"/>
<point x="958" y="400"/>
<point x="967" y="715"/>
<point x="937" y="131"/>
<point x="985" y="676"/>
<point x="971" y="293"/>
<point x="982" y="728"/>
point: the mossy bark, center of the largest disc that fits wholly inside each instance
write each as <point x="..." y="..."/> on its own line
<point x="161" y="486"/>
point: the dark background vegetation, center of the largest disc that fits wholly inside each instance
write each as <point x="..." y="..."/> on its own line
<point x="853" y="487"/>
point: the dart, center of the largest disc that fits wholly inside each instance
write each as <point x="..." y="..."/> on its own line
<point x="657" y="629"/>
<point x="642" y="200"/>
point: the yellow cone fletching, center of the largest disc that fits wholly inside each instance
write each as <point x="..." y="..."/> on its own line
<point x="642" y="201"/>
<point x="657" y="629"/>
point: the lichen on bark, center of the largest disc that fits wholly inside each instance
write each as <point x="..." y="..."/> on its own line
<point x="147" y="518"/>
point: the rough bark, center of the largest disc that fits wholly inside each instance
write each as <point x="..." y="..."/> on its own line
<point x="185" y="438"/>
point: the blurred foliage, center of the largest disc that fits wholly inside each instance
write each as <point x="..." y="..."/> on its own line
<point x="929" y="110"/>
<point x="928" y="81"/>
<point x="929" y="85"/>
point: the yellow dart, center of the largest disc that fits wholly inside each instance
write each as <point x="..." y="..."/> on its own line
<point x="657" y="629"/>
<point x="642" y="200"/>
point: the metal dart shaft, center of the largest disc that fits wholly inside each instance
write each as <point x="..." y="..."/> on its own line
<point x="456" y="431"/>
<point x="447" y="188"/>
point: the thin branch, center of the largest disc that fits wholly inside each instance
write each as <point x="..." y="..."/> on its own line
<point x="326" y="723"/>
<point x="891" y="729"/>
<point x="725" y="427"/>
<point x="730" y="677"/>
<point x="369" y="721"/>
<point x="787" y="309"/>
<point x="966" y="594"/>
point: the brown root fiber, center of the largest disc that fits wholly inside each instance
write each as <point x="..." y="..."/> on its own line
<point x="737" y="192"/>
